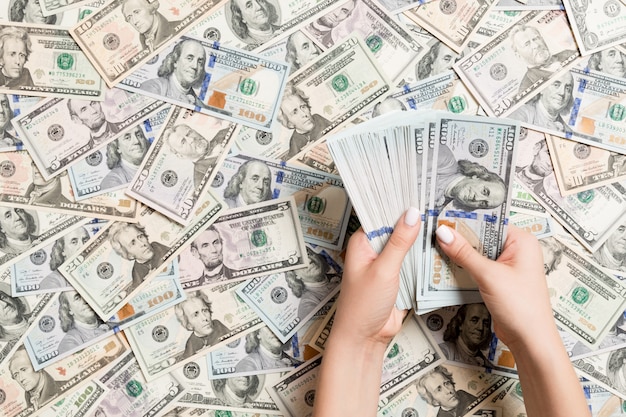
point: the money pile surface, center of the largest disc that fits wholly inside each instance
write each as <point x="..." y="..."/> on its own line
<point x="174" y="202"/>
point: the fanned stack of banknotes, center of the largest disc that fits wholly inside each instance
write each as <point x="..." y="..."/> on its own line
<point x="177" y="181"/>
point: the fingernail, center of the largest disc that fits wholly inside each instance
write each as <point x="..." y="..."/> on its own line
<point x="444" y="234"/>
<point x="412" y="216"/>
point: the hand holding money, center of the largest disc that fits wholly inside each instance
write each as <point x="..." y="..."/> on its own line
<point x="365" y="320"/>
<point x="537" y="349"/>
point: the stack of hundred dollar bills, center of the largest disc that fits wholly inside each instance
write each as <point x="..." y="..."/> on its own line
<point x="457" y="170"/>
<point x="174" y="213"/>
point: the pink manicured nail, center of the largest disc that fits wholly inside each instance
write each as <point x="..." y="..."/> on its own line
<point x="444" y="234"/>
<point x="412" y="216"/>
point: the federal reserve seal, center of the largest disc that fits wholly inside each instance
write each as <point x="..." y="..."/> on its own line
<point x="447" y="6"/>
<point x="218" y="180"/>
<point x="191" y="370"/>
<point x="279" y="295"/>
<point x="169" y="178"/>
<point x="263" y="138"/>
<point x="39" y="257"/>
<point x="134" y="388"/>
<point x="434" y="322"/>
<point x="94" y="159"/>
<point x="612" y="8"/>
<point x="3" y="396"/>
<point x="582" y="151"/>
<point x="7" y="168"/>
<point x="111" y="41"/>
<point x="46" y="324"/>
<point x="498" y="72"/>
<point x="56" y="132"/>
<point x="160" y="333"/>
<point x="212" y="34"/>
<point x="478" y="148"/>
<point x="409" y="412"/>
<point x="309" y="397"/>
<point x="104" y="270"/>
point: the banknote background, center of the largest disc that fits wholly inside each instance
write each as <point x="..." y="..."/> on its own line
<point x="217" y="298"/>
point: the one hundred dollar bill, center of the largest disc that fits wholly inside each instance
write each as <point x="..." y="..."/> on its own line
<point x="80" y="403"/>
<point x="483" y="350"/>
<point x="207" y="319"/>
<point x="322" y="202"/>
<point x="53" y="65"/>
<point x="231" y="30"/>
<point x="346" y="76"/>
<point x="258" y="352"/>
<point x="479" y="211"/>
<point x="55" y="144"/>
<point x="605" y="369"/>
<point x="285" y="301"/>
<point x="69" y="324"/>
<point x="117" y="42"/>
<point x="182" y="163"/>
<point x="217" y="394"/>
<point x="596" y="23"/>
<point x="21" y="312"/>
<point x="31" y="230"/>
<point x="502" y="79"/>
<point x="579" y="166"/>
<point x="123" y="257"/>
<point x="222" y="82"/>
<point x="453" y="23"/>
<point x="38" y="273"/>
<point x="390" y="43"/>
<point x="585" y="300"/>
<point x="471" y="387"/>
<point x="132" y="395"/>
<point x="318" y="341"/>
<point x="586" y="215"/>
<point x="23" y="186"/>
<point x="601" y="402"/>
<point x="60" y="379"/>
<point x="12" y="105"/>
<point x="114" y="167"/>
<point x="582" y="105"/>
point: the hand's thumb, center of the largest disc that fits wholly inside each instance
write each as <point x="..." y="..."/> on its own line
<point x="461" y="252"/>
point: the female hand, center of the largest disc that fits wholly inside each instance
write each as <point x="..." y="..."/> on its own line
<point x="513" y="287"/>
<point x="365" y="309"/>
